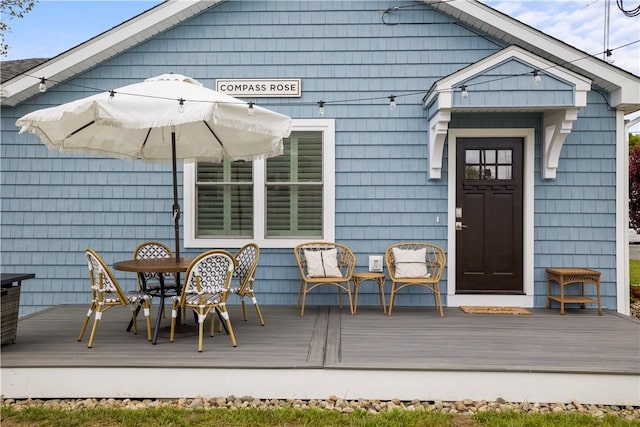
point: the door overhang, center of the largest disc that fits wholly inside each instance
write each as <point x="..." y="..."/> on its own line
<point x="510" y="80"/>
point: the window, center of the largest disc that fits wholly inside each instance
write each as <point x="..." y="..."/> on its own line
<point x="277" y="202"/>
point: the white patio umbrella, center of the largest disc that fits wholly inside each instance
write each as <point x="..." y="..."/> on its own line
<point x="165" y="118"/>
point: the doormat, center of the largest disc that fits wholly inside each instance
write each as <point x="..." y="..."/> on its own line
<point x="493" y="310"/>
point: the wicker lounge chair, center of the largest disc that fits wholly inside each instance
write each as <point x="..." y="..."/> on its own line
<point x="324" y="263"/>
<point x="415" y="264"/>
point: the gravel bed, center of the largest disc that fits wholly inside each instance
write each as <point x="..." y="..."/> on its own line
<point x="334" y="403"/>
<point x="635" y="309"/>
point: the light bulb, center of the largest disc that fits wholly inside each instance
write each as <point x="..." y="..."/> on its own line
<point x="464" y="94"/>
<point x="392" y="103"/>
<point x="42" y="87"/>
<point x="536" y="78"/>
<point x="251" y="111"/>
<point x="609" y="53"/>
<point x="180" y="105"/>
<point x="321" y="108"/>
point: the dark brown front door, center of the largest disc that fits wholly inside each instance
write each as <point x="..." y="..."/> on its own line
<point x="489" y="215"/>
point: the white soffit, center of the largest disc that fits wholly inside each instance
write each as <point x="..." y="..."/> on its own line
<point x="102" y="47"/>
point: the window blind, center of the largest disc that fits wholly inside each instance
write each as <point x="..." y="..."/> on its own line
<point x="294" y="188"/>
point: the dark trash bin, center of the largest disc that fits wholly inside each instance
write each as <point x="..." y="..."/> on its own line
<point x="10" y="305"/>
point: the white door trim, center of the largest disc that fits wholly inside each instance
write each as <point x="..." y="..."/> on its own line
<point x="527" y="299"/>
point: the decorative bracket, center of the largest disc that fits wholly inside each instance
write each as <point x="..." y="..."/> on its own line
<point x="557" y="126"/>
<point x="438" y="128"/>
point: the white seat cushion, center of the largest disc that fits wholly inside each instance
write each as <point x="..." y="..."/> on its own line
<point x="410" y="263"/>
<point x="322" y="263"/>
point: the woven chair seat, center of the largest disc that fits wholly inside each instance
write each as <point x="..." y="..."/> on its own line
<point x="195" y="299"/>
<point x="132" y="297"/>
<point x="135" y="296"/>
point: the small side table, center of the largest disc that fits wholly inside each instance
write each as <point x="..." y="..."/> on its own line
<point x="359" y="278"/>
<point x="566" y="276"/>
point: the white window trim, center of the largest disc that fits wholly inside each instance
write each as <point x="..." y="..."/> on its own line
<point x="327" y="126"/>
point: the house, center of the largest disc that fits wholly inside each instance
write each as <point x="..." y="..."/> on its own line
<point x="446" y="122"/>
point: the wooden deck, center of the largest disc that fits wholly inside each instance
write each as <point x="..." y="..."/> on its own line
<point x="412" y="354"/>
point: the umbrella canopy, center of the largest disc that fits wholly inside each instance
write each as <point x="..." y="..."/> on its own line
<point x="165" y="118"/>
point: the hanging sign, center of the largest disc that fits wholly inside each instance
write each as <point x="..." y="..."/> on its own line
<point x="255" y="88"/>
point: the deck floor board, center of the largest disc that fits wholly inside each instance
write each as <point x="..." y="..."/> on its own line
<point x="330" y="337"/>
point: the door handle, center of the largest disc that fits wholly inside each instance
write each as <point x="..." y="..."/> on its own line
<point x="460" y="226"/>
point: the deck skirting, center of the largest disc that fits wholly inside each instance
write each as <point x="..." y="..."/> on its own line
<point x="306" y="384"/>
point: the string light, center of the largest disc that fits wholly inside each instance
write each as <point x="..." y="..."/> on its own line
<point x="250" y="110"/>
<point x="112" y="94"/>
<point x="392" y="102"/>
<point x="42" y="87"/>
<point x="609" y="54"/>
<point x="536" y="77"/>
<point x="321" y="108"/>
<point x="463" y="92"/>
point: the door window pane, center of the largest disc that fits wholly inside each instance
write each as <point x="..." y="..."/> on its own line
<point x="472" y="157"/>
<point x="488" y="164"/>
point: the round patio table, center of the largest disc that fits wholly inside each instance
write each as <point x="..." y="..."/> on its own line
<point x="155" y="265"/>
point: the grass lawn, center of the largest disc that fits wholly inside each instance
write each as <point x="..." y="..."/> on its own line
<point x="634" y="271"/>
<point x="291" y="417"/>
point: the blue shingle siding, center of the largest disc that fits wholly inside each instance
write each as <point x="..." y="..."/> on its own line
<point x="54" y="205"/>
<point x="511" y="84"/>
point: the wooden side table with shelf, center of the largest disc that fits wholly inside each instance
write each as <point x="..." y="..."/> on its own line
<point x="566" y="276"/>
<point x="358" y="278"/>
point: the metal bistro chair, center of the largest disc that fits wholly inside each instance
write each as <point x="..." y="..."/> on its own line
<point x="205" y="290"/>
<point x="415" y="264"/>
<point x="245" y="271"/>
<point x="324" y="263"/>
<point x="106" y="293"/>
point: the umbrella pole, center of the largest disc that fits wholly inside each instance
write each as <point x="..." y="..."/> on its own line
<point x="176" y="205"/>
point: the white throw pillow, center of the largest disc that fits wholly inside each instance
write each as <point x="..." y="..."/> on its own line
<point x="410" y="262"/>
<point x="322" y="263"/>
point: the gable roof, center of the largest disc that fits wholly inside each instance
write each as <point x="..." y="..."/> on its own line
<point x="624" y="86"/>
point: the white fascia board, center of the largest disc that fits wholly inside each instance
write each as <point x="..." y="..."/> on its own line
<point x="628" y="84"/>
<point x="102" y="47"/>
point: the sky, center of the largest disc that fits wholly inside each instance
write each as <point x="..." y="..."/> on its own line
<point x="53" y="26"/>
